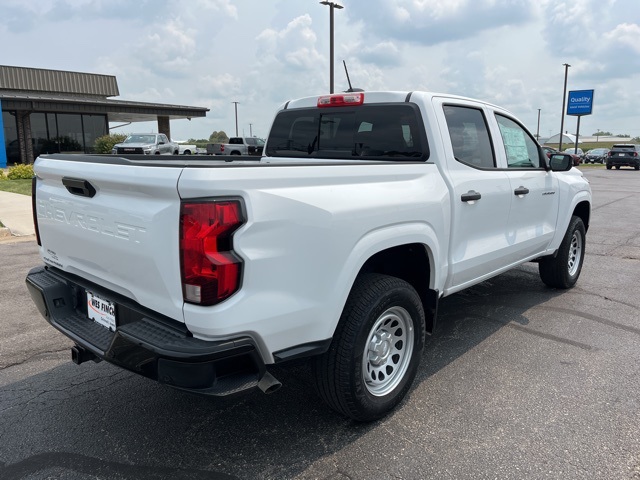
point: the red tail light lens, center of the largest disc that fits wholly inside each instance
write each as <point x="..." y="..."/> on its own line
<point x="211" y="271"/>
<point x="341" y="100"/>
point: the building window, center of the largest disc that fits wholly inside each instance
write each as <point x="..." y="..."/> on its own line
<point x="70" y="133"/>
<point x="94" y="126"/>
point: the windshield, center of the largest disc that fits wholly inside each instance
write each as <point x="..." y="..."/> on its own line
<point x="140" y="139"/>
<point x="376" y="131"/>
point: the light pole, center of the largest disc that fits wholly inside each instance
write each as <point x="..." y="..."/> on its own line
<point x="236" y="107"/>
<point x="538" y="131"/>
<point x="250" y="130"/>
<point x="564" y="96"/>
<point x="332" y="5"/>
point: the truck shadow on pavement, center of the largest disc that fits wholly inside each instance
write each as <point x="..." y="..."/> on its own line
<point x="97" y="420"/>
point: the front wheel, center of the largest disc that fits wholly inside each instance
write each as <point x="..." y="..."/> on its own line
<point x="563" y="270"/>
<point x="376" y="349"/>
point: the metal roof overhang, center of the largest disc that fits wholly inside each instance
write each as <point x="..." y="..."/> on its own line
<point x="116" y="110"/>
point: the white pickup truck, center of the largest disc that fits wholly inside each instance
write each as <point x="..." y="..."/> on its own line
<point x="237" y="146"/>
<point x="146" y="144"/>
<point x="334" y="247"/>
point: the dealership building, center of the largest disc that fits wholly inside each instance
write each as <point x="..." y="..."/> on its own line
<point x="53" y="111"/>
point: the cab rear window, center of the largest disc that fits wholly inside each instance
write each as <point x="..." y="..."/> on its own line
<point x="376" y="131"/>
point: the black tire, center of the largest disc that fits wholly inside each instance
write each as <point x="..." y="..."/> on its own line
<point x="187" y="152"/>
<point x="372" y="361"/>
<point x="608" y="167"/>
<point x="617" y="167"/>
<point x="563" y="270"/>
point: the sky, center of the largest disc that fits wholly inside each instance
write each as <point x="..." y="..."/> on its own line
<point x="261" y="53"/>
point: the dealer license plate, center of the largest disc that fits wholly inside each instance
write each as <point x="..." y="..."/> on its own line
<point x="621" y="154"/>
<point x="101" y="311"/>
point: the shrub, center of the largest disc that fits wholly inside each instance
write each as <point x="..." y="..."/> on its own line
<point x="105" y="143"/>
<point x="21" y="171"/>
<point x="2" y="175"/>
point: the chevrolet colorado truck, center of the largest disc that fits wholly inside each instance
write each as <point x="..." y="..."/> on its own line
<point x="334" y="248"/>
<point x="146" y="144"/>
<point x="237" y="146"/>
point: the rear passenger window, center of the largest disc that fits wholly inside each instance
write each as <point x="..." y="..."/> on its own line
<point x="522" y="151"/>
<point x="469" y="136"/>
<point x="374" y="131"/>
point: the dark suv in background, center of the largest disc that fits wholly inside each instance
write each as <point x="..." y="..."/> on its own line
<point x="624" y="155"/>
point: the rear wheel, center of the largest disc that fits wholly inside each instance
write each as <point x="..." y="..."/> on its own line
<point x="563" y="270"/>
<point x="376" y="349"/>
<point x="617" y="167"/>
<point x="608" y="167"/>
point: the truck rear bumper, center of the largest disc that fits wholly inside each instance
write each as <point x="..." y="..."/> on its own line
<point x="145" y="342"/>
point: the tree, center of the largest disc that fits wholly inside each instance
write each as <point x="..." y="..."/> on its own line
<point x="601" y="134"/>
<point x="219" y="137"/>
<point x="105" y="143"/>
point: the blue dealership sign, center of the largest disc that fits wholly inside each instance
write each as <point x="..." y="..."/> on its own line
<point x="580" y="102"/>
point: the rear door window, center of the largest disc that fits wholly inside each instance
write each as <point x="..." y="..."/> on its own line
<point x="376" y="131"/>
<point x="469" y="136"/>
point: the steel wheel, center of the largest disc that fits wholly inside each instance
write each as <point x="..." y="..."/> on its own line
<point x="563" y="269"/>
<point x="575" y="252"/>
<point x="375" y="351"/>
<point x="388" y="351"/>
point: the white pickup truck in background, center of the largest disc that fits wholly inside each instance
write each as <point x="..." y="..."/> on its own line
<point x="335" y="246"/>
<point x="187" y="149"/>
<point x="146" y="144"/>
<point x="237" y="146"/>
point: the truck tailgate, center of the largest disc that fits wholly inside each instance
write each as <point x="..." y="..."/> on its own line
<point x="124" y="237"/>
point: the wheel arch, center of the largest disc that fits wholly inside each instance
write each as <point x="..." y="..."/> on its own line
<point x="583" y="210"/>
<point x="411" y="262"/>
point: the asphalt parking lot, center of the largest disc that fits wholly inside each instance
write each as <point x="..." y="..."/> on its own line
<point x="518" y="381"/>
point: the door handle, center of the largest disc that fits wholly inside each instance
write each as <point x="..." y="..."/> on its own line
<point x="470" y="196"/>
<point x="521" y="190"/>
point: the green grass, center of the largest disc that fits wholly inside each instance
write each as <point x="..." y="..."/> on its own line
<point x="16" y="186"/>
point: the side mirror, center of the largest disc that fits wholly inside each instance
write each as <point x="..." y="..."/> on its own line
<point x="560" y="162"/>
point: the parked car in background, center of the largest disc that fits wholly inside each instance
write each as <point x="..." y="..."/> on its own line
<point x="598" y="155"/>
<point x="624" y="155"/>
<point x="146" y="144"/>
<point x="549" y="151"/>
<point x="577" y="157"/>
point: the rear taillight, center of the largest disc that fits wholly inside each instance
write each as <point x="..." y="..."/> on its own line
<point x="211" y="271"/>
<point x="341" y="100"/>
<point x="222" y="147"/>
<point x="34" y="208"/>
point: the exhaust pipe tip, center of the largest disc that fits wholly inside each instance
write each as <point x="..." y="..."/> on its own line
<point x="268" y="384"/>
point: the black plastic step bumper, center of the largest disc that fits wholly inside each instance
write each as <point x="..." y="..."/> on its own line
<point x="145" y="342"/>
